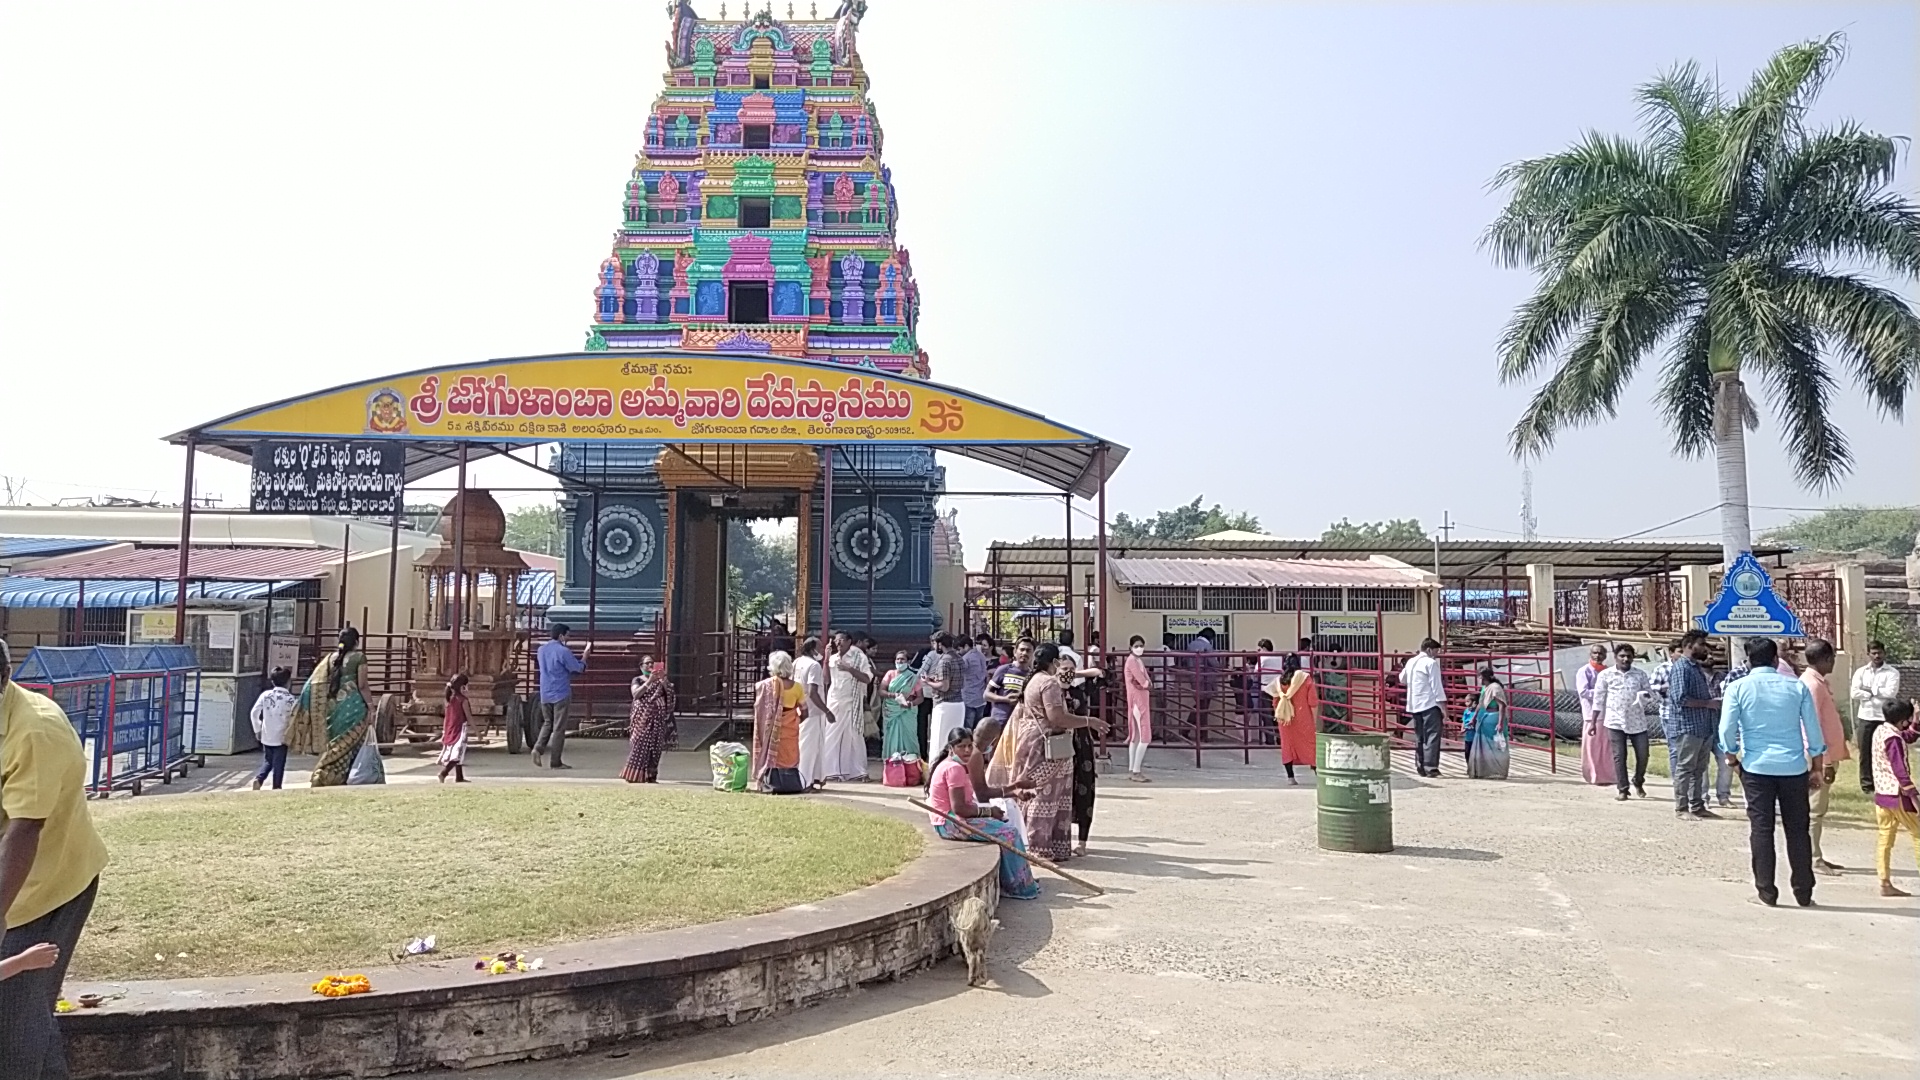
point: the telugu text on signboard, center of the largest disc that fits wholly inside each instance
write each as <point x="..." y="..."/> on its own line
<point x="673" y="398"/>
<point x="354" y="478"/>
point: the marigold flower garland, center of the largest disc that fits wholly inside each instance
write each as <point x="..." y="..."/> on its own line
<point x="342" y="985"/>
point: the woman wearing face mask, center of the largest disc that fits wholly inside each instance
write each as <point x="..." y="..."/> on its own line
<point x="1139" y="709"/>
<point x="649" y="723"/>
<point x="899" y="710"/>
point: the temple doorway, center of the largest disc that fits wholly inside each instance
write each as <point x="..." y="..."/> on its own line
<point x="733" y="587"/>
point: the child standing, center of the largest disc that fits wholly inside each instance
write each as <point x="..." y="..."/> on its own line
<point x="453" y="737"/>
<point x="272" y="713"/>
<point x="1896" y="801"/>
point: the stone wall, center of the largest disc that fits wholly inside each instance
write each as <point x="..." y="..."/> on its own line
<point x="445" y="1014"/>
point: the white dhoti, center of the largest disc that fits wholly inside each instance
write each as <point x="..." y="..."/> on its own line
<point x="947" y="715"/>
<point x="845" y="755"/>
<point x="813" y="749"/>
<point x="1011" y="808"/>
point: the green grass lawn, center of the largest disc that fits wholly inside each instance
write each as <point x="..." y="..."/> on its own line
<point x="339" y="878"/>
<point x="1849" y="802"/>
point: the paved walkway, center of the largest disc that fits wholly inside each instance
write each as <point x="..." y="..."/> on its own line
<point x="1532" y="927"/>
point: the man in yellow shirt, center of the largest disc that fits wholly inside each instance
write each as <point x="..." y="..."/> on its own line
<point x="50" y="863"/>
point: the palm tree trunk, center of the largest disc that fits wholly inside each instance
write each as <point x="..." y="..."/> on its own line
<point x="1730" y="462"/>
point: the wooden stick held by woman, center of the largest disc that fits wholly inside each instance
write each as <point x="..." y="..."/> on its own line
<point x="1037" y="860"/>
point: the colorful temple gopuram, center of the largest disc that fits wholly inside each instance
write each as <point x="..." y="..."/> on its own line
<point x="758" y="219"/>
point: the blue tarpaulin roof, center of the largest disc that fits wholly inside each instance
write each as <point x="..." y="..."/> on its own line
<point x="45" y="547"/>
<point x="48" y="665"/>
<point x="33" y="592"/>
<point x="536" y="588"/>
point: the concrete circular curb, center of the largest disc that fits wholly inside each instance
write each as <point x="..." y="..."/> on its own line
<point x="443" y="1013"/>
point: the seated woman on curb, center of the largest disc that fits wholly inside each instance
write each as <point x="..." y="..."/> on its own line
<point x="1007" y="800"/>
<point x="951" y="789"/>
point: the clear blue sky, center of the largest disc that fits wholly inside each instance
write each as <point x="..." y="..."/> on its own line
<point x="1239" y="238"/>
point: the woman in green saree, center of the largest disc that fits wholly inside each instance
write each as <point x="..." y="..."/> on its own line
<point x="900" y="710"/>
<point x="333" y="718"/>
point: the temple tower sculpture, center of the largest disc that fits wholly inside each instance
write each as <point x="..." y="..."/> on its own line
<point x="758" y="219"/>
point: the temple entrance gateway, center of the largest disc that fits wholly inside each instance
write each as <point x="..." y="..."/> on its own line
<point x="659" y="455"/>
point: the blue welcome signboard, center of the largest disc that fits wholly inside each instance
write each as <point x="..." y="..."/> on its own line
<point x="1747" y="605"/>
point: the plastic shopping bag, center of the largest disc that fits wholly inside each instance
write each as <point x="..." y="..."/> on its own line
<point x="730" y="762"/>
<point x="367" y="768"/>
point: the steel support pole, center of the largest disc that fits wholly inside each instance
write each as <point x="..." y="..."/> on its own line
<point x="1108" y="654"/>
<point x="1100" y="553"/>
<point x="459" y="564"/>
<point x="1066" y="602"/>
<point x="186" y="546"/>
<point x="393" y="558"/>
<point x="826" y="547"/>
<point x="873" y="562"/>
<point x="346" y="547"/>
<point x="593" y="560"/>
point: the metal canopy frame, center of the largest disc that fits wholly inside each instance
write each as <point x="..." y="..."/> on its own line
<point x="1079" y="465"/>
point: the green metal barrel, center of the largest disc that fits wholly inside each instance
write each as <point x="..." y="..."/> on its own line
<point x="1355" y="792"/>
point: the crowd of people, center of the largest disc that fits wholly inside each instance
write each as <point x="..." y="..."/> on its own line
<point x="1016" y="731"/>
<point x="1018" y="721"/>
<point x="1026" y="721"/>
<point x="1775" y="724"/>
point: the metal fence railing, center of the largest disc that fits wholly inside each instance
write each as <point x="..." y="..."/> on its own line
<point x="1212" y="702"/>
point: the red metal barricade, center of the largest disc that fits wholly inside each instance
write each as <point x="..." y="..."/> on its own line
<point x="1213" y="701"/>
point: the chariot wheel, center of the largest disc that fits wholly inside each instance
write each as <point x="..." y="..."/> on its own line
<point x="530" y="717"/>
<point x="385" y="721"/>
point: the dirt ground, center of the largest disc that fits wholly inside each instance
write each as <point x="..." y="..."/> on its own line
<point x="1533" y="927"/>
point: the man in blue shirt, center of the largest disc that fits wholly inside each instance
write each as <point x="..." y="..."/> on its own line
<point x="557" y="666"/>
<point x="973" y="678"/>
<point x="1693" y="714"/>
<point x="1771" y="732"/>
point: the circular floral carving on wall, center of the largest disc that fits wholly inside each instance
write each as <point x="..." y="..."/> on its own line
<point x="621" y="542"/>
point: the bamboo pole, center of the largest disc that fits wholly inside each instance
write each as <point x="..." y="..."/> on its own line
<point x="1043" y="863"/>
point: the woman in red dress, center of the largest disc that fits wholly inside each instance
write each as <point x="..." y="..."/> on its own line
<point x="1296" y="710"/>
<point x="453" y="735"/>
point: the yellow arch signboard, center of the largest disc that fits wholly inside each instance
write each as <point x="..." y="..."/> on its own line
<point x="662" y="397"/>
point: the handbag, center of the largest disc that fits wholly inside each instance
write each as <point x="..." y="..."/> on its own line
<point x="1060" y="747"/>
<point x="782" y="782"/>
<point x="902" y="770"/>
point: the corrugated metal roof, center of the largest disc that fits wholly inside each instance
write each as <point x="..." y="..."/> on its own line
<point x="33" y="592"/>
<point x="1374" y="572"/>
<point x="1572" y="560"/>
<point x="43" y="547"/>
<point x="203" y="564"/>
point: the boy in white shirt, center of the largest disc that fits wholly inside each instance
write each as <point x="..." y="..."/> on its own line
<point x="272" y="715"/>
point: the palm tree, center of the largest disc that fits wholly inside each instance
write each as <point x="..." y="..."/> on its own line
<point x="1729" y="240"/>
